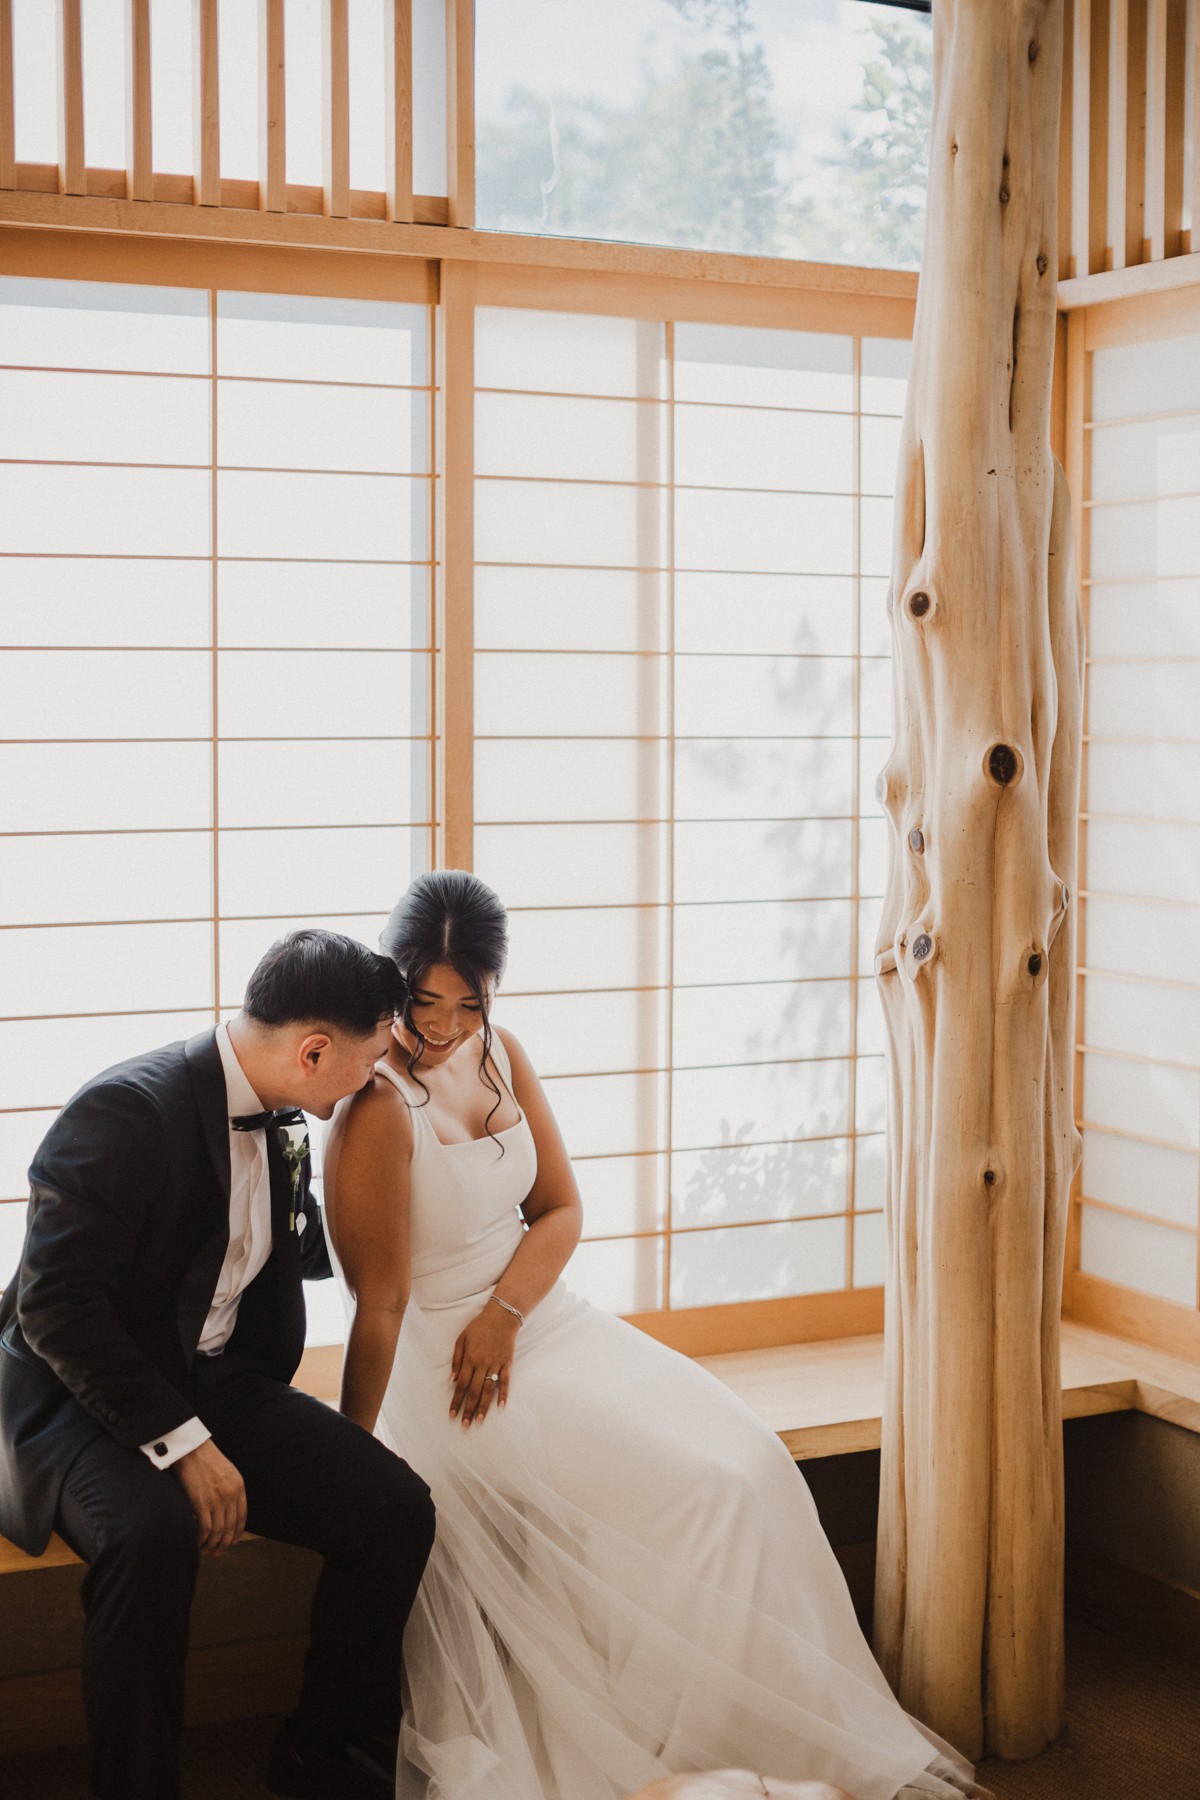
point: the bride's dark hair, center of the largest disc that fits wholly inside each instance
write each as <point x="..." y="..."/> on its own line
<point x="449" y="916"/>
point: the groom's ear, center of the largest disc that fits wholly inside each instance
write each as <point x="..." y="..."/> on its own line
<point x="312" y="1048"/>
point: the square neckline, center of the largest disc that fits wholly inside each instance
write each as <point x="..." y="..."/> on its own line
<point x="458" y="1143"/>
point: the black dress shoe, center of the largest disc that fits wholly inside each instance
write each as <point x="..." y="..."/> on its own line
<point x="377" y="1753"/>
<point x="306" y="1771"/>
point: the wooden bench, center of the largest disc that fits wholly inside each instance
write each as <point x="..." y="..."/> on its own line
<point x="248" y="1635"/>
<point x="825" y="1400"/>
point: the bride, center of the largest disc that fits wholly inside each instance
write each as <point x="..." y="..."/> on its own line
<point x="629" y="1579"/>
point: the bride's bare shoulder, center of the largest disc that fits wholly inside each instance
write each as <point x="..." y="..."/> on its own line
<point x="377" y="1116"/>
<point x="517" y="1055"/>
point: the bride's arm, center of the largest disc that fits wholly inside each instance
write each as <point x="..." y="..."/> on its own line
<point x="367" y="1163"/>
<point x="554" y="1215"/>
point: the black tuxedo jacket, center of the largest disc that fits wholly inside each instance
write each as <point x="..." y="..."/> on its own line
<point x="128" y="1228"/>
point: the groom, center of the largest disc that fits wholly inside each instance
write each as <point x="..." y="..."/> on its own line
<point x="146" y="1345"/>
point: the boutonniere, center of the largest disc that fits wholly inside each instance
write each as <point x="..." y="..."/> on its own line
<point x="293" y="1141"/>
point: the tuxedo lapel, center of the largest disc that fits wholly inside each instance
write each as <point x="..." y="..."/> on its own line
<point x="208" y="1087"/>
<point x="284" y="1242"/>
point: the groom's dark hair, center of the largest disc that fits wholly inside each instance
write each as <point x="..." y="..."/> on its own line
<point x="325" y="978"/>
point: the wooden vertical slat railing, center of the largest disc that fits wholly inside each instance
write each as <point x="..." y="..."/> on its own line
<point x="1081" y="112"/>
<point x="1129" y="172"/>
<point x="397" y="99"/>
<point x="335" y="92"/>
<point x="1118" y="56"/>
<point x="1136" y="248"/>
<point x="1066" y="132"/>
<point x="206" y="109"/>
<point x="1097" y="233"/>
<point x="139" y="145"/>
<point x="1156" y="131"/>
<point x="1190" y="239"/>
<point x="1174" y="110"/>
<point x="272" y="140"/>
<point x="72" y="174"/>
<point x="1129" y="147"/>
<point x="460" y="111"/>
<point x="8" y="148"/>
<point x="455" y="628"/>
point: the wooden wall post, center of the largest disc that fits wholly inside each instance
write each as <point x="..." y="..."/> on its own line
<point x="1156" y="129"/>
<point x="139" y="146"/>
<point x="455" y="631"/>
<point x="1137" y="248"/>
<point x="206" y="109"/>
<point x="71" y="175"/>
<point x="1174" y="112"/>
<point x="8" y="162"/>
<point x="1098" y="141"/>
<point x="1066" y="138"/>
<point x="1076" y="461"/>
<point x="335" y="108"/>
<point x="460" y="110"/>
<point x="975" y="956"/>
<point x="1190" y="239"/>
<point x="1118" y="106"/>
<point x="397" y="100"/>
<point x="272" y="118"/>
<point x="1081" y="112"/>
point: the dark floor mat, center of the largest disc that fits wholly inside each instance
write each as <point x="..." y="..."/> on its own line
<point x="220" y="1762"/>
<point x="1132" y="1733"/>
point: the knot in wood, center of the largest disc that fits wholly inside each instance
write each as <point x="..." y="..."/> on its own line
<point x="917" y="841"/>
<point x="922" y="947"/>
<point x="1034" y="965"/>
<point x="1004" y="196"/>
<point x="989" y="1177"/>
<point x="1002" y="764"/>
<point x="1033" y="52"/>
<point x="919" y="605"/>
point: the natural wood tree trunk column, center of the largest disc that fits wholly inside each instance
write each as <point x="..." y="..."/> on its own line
<point x="976" y="963"/>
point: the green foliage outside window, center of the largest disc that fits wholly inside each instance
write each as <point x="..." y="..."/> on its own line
<point x="700" y="159"/>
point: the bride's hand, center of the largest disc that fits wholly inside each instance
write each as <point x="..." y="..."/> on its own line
<point x="485" y="1348"/>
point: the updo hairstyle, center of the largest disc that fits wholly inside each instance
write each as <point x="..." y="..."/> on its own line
<point x="449" y="916"/>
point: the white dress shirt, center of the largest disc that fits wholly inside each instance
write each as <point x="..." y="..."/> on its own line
<point x="249" y="1240"/>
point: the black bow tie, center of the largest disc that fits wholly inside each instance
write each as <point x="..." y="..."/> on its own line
<point x="284" y="1115"/>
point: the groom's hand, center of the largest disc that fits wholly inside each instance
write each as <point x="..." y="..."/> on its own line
<point x="217" y="1494"/>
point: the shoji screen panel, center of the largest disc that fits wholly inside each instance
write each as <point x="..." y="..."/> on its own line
<point x="683" y="535"/>
<point x="214" y="593"/>
<point x="1141" y="1012"/>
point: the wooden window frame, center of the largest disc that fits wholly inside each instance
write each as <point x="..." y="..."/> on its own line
<point x="727" y="291"/>
<point x="199" y="230"/>
<point x="1140" y="318"/>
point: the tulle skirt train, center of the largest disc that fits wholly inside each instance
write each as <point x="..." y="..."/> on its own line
<point x="629" y="1581"/>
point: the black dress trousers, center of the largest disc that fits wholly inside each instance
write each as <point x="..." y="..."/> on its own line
<point x="312" y="1478"/>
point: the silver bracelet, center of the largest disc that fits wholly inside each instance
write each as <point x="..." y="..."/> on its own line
<point x="507" y="1307"/>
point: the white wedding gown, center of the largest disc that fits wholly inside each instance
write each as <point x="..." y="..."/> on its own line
<point x="629" y="1578"/>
